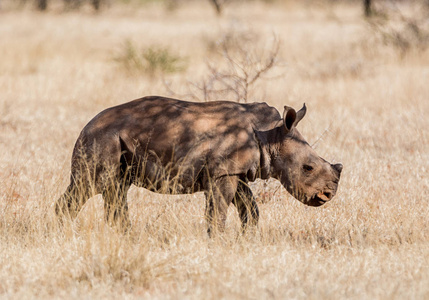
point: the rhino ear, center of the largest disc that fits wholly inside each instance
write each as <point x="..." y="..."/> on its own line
<point x="300" y="114"/>
<point x="289" y="117"/>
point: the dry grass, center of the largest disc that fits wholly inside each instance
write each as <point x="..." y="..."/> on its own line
<point x="368" y="108"/>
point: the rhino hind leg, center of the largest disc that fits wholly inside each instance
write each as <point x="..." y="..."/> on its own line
<point x="84" y="183"/>
<point x="70" y="203"/>
<point x="246" y="206"/>
<point x="219" y="196"/>
<point x="95" y="170"/>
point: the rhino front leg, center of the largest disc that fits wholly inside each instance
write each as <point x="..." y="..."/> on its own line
<point x="246" y="205"/>
<point x="218" y="198"/>
<point x="116" y="207"/>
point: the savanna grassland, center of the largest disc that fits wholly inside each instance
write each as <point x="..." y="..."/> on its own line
<point x="366" y="86"/>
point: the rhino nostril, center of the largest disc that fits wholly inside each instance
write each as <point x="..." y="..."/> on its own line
<point x="328" y="195"/>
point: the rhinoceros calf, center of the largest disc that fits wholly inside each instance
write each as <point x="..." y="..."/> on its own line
<point x="178" y="147"/>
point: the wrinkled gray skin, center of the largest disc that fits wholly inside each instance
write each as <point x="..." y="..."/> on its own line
<point x="177" y="147"/>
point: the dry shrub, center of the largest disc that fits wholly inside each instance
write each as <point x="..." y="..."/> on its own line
<point x="241" y="59"/>
<point x="219" y="5"/>
<point x="404" y="29"/>
<point x="77" y="4"/>
<point x="151" y="60"/>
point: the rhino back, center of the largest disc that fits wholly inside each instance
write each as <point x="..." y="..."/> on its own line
<point x="217" y="135"/>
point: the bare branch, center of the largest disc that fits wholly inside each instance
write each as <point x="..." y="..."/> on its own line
<point x="245" y="59"/>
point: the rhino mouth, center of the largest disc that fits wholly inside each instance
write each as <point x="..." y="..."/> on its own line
<point x="320" y="198"/>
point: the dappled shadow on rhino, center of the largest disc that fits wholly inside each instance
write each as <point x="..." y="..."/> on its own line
<point x="177" y="147"/>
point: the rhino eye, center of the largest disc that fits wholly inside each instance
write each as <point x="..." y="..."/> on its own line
<point x="307" y="168"/>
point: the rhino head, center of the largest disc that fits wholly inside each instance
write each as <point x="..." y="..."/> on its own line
<point x="305" y="175"/>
